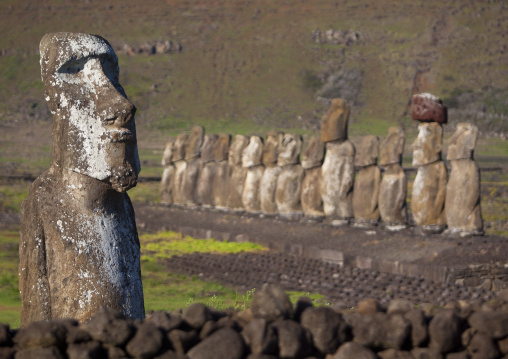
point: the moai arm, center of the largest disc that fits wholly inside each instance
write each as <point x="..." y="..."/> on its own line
<point x="441" y="191"/>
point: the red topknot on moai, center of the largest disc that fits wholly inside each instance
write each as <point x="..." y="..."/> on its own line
<point x="428" y="108"/>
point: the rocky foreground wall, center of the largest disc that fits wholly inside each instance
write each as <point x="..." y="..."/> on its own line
<point x="273" y="328"/>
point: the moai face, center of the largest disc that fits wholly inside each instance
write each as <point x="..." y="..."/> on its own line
<point x="236" y="150"/>
<point x="179" y="147"/>
<point x="427" y="146"/>
<point x="251" y="155"/>
<point x="462" y="143"/>
<point x="194" y="142"/>
<point x="334" y="121"/>
<point x="312" y="155"/>
<point x="290" y="150"/>
<point x="392" y="146"/>
<point x="207" y="148"/>
<point x="167" y="156"/>
<point x="93" y="130"/>
<point x="270" y="149"/>
<point x="367" y="151"/>
<point x="221" y="147"/>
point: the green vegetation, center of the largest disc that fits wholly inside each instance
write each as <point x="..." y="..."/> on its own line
<point x="10" y="301"/>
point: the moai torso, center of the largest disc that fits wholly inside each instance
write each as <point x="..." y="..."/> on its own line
<point x="312" y="158"/>
<point x="237" y="173"/>
<point x="462" y="204"/>
<point x="393" y="187"/>
<point x="221" y="178"/>
<point x="180" y="168"/>
<point x="366" y="186"/>
<point x="268" y="183"/>
<point x="207" y="173"/>
<point x="79" y="247"/>
<point x="251" y="159"/>
<point x="168" y="175"/>
<point x="289" y="181"/>
<point x="193" y="165"/>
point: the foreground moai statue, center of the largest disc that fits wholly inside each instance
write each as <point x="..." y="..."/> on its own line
<point x="221" y="177"/>
<point x="251" y="159"/>
<point x="168" y="175"/>
<point x="289" y="181"/>
<point x="312" y="159"/>
<point x="367" y="182"/>
<point x="207" y="172"/>
<point x="462" y="204"/>
<point x="429" y="187"/>
<point x="79" y="246"/>
<point x="237" y="173"/>
<point x="193" y="165"/>
<point x="178" y="156"/>
<point x="393" y="187"/>
<point x="337" y="171"/>
<point x="268" y="183"/>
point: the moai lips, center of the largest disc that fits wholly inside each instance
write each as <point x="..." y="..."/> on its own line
<point x="251" y="159"/>
<point x="428" y="108"/>
<point x="312" y="158"/>
<point x="268" y="183"/>
<point x="428" y="144"/>
<point x="334" y="122"/>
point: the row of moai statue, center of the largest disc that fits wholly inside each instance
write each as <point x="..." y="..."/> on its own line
<point x="267" y="177"/>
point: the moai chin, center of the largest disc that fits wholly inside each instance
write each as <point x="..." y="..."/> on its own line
<point x="337" y="171"/>
<point x="178" y="156"/>
<point x="251" y="159"/>
<point x="268" y="183"/>
<point x="168" y="175"/>
<point x="393" y="187"/>
<point x="289" y="181"/>
<point x="237" y="173"/>
<point x="193" y="165"/>
<point x="221" y="178"/>
<point x="204" y="185"/>
<point x="312" y="159"/>
<point x="462" y="204"/>
<point x="79" y="247"/>
<point x="367" y="182"/>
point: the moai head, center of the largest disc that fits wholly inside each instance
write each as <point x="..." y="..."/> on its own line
<point x="392" y="146"/>
<point x="427" y="146"/>
<point x="207" y="148"/>
<point x="251" y="155"/>
<point x="236" y="149"/>
<point x="462" y="143"/>
<point x="167" y="156"/>
<point x="93" y="129"/>
<point x="312" y="155"/>
<point x="334" y="121"/>
<point x="428" y="108"/>
<point x="367" y="151"/>
<point x="270" y="149"/>
<point x="221" y="147"/>
<point x="194" y="142"/>
<point x="289" y="150"/>
<point x="179" y="147"/>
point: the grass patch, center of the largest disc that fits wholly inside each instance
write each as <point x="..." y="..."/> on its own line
<point x="10" y="301"/>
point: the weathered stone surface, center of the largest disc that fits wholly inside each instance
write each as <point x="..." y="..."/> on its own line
<point x="327" y="328"/>
<point x="252" y="153"/>
<point x="79" y="248"/>
<point x="251" y="159"/>
<point x="392" y="146"/>
<point x="369" y="306"/>
<point x="444" y="332"/>
<point x="260" y="337"/>
<point x="178" y="181"/>
<point x="365" y="195"/>
<point x="381" y="331"/>
<point x="392" y="197"/>
<point x="42" y="335"/>
<point x="182" y="341"/>
<point x="146" y="343"/>
<point x="237" y="173"/>
<point x="367" y="151"/>
<point x="204" y="185"/>
<point x="220" y="183"/>
<point x="428" y="144"/>
<point x="289" y="150"/>
<point x="351" y="350"/>
<point x="419" y="331"/>
<point x="271" y="148"/>
<point x="5" y="335"/>
<point x="394" y="354"/>
<point x="337" y="177"/>
<point x="194" y="142"/>
<point x="196" y="315"/>
<point x="39" y="353"/>
<point x="110" y="328"/>
<point x="483" y="347"/>
<point x="223" y="344"/>
<point x="271" y="303"/>
<point x="462" y="204"/>
<point x="293" y="340"/>
<point x="334" y="122"/>
<point x="289" y="188"/>
<point x="89" y="350"/>
<point x="166" y="185"/>
<point x="178" y="151"/>
<point x="311" y="199"/>
<point x="221" y="147"/>
<point x="193" y="165"/>
<point x="207" y="148"/>
<point x="428" y="108"/>
<point x="77" y="335"/>
<point x="267" y="189"/>
<point x="493" y="324"/>
<point x="7" y="352"/>
<point x="425" y="353"/>
<point x="313" y="153"/>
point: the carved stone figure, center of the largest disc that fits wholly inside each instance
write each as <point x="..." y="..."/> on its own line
<point x="462" y="204"/>
<point x="192" y="153"/>
<point x="366" y="187"/>
<point x="312" y="158"/>
<point x="251" y="159"/>
<point x="79" y="247"/>
<point x="393" y="187"/>
<point x="221" y="178"/>
<point x="180" y="168"/>
<point x="289" y="181"/>
<point x="429" y="186"/>
<point x="268" y="183"/>
<point x="337" y="171"/>
<point x="237" y="173"/>
<point x="168" y="175"/>
<point x="207" y="172"/>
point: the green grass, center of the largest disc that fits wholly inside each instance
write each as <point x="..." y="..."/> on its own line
<point x="10" y="301"/>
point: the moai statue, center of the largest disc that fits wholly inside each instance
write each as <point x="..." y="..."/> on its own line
<point x="393" y="187"/>
<point x="338" y="169"/>
<point x="251" y="159"/>
<point x="289" y="181"/>
<point x="429" y="187"/>
<point x="237" y="173"/>
<point x="79" y="247"/>
<point x="312" y="159"/>
<point x="192" y="153"/>
<point x="462" y="204"/>
<point x="168" y="175"/>
<point x="366" y="187"/>
<point x="269" y="181"/>
<point x="206" y="177"/>
<point x="178" y="156"/>
<point x="221" y="177"/>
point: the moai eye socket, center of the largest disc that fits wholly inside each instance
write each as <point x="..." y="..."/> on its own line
<point x="73" y="66"/>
